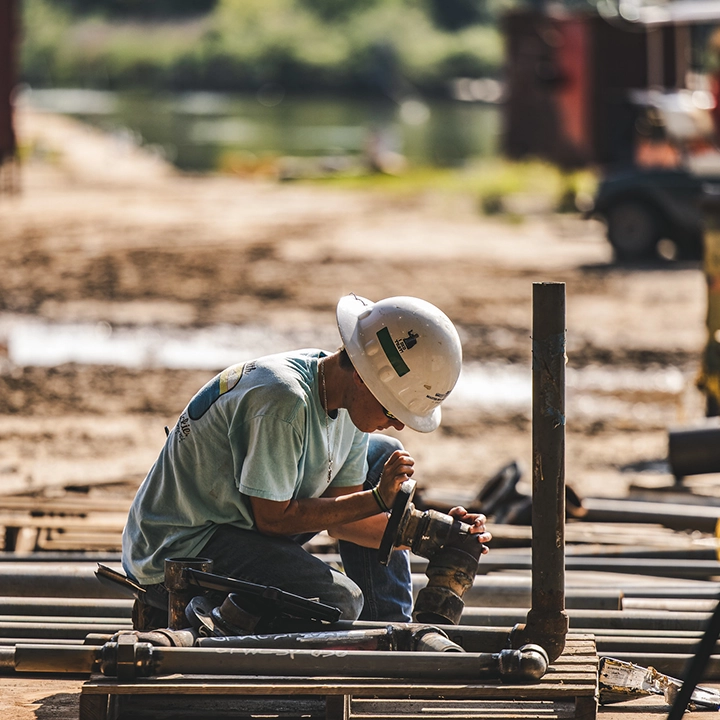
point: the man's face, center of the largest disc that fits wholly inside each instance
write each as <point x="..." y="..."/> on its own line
<point x="366" y="412"/>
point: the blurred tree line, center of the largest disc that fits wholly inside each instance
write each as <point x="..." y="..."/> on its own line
<point x="372" y="46"/>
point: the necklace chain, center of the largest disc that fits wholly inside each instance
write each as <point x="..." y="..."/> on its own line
<point x="327" y="423"/>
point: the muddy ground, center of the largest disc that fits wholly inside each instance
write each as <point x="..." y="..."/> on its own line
<point x="102" y="233"/>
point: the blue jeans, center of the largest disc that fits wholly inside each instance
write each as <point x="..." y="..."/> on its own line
<point x="367" y="590"/>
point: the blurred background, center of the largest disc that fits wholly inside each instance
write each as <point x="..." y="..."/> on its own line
<point x="187" y="184"/>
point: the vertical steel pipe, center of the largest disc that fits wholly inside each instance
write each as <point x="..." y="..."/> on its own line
<point x="547" y="621"/>
<point x="180" y="592"/>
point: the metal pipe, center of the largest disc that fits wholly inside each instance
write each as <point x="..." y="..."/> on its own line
<point x="674" y="604"/>
<point x="81" y="659"/>
<point x="677" y="517"/>
<point x="610" y="644"/>
<point x="34" y="641"/>
<point x="590" y="619"/>
<point x="61" y="557"/>
<point x="694" y="450"/>
<point x="370" y="639"/>
<point x="454" y="667"/>
<point x="655" y="567"/>
<point x="70" y="630"/>
<point x="625" y="586"/>
<point x="55" y="580"/>
<point x="646" y="633"/>
<point x="76" y="607"/>
<point x="497" y="593"/>
<point x="547" y="621"/>
<point x="131" y="659"/>
<point x="180" y="591"/>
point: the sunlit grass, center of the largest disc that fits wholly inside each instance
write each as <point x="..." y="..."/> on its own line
<point x="492" y="181"/>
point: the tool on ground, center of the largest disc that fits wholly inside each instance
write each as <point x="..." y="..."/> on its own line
<point x="112" y="578"/>
<point x="251" y="607"/>
<point x="453" y="552"/>
<point x="620" y="681"/>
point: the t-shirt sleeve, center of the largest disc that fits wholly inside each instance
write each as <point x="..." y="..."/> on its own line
<point x="269" y="468"/>
<point x="355" y="468"/>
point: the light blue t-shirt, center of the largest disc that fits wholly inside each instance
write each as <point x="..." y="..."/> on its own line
<point x="256" y="429"/>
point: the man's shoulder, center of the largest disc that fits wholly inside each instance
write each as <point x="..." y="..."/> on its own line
<point x="290" y="370"/>
<point x="279" y="383"/>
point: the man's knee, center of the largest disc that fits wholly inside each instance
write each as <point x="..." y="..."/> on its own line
<point x="347" y="597"/>
<point x="380" y="448"/>
<point x="383" y="446"/>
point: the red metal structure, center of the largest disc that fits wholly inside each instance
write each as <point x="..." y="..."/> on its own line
<point x="8" y="45"/>
<point x="569" y="78"/>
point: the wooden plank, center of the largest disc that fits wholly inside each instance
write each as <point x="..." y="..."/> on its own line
<point x="337" y="707"/>
<point x="190" y="685"/>
<point x="52" y="506"/>
<point x="454" y="708"/>
<point x="93" y="707"/>
<point x="96" y="521"/>
<point x="586" y="708"/>
<point x="480" y="714"/>
<point x="211" y="706"/>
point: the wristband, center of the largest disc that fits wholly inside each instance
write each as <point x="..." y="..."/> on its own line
<point x="379" y="500"/>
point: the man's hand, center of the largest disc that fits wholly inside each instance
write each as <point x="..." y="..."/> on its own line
<point x="399" y="467"/>
<point x="476" y="521"/>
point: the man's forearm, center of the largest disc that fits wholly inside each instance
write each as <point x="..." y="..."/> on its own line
<point x="367" y="532"/>
<point x="314" y="514"/>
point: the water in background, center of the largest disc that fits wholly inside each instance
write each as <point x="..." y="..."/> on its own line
<point x="205" y="131"/>
<point x="594" y="391"/>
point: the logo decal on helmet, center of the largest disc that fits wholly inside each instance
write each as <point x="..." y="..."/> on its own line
<point x="391" y="352"/>
<point x="407" y="343"/>
<point x="438" y="397"/>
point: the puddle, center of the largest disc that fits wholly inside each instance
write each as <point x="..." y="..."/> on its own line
<point x="211" y="348"/>
<point x="591" y="391"/>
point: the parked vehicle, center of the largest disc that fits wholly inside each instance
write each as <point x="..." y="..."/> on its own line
<point x="641" y="207"/>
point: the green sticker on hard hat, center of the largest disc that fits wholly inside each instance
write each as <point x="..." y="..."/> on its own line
<point x="392" y="353"/>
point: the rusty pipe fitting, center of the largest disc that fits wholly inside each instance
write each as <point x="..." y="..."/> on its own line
<point x="180" y="592"/>
<point x="528" y="663"/>
<point x="451" y="572"/>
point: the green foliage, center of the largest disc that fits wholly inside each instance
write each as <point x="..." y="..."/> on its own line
<point x="456" y="14"/>
<point x="389" y="47"/>
<point x="138" y="8"/>
<point x="336" y="10"/>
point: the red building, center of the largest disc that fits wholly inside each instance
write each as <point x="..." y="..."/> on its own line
<point x="8" y="46"/>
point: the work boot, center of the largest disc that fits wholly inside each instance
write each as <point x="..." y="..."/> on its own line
<point x="146" y="617"/>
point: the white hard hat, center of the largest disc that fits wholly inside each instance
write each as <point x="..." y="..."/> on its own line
<point x="406" y="351"/>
